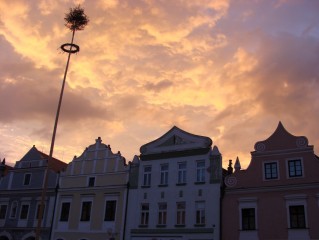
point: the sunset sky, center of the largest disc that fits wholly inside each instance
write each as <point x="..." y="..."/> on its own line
<point x="229" y="70"/>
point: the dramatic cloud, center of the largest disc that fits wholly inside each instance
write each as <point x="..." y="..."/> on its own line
<point x="229" y="70"/>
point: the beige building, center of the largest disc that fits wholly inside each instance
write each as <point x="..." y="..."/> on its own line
<point x="92" y="196"/>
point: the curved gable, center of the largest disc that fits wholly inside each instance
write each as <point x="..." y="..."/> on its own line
<point x="281" y="139"/>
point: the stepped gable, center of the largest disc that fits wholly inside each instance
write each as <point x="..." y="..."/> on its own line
<point x="281" y="139"/>
<point x="176" y="142"/>
<point x="35" y="155"/>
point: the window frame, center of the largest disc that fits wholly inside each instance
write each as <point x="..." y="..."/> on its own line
<point x="162" y="214"/>
<point x="265" y="164"/>
<point x="180" y="213"/>
<point x="85" y="215"/>
<point x="245" y="203"/>
<point x="147" y="176"/>
<point x="144" y="214"/>
<point x="91" y="181"/>
<point x="290" y="160"/>
<point x="61" y="211"/>
<point x="113" y="213"/>
<point x="3" y="213"/>
<point x="301" y="223"/>
<point x="164" y="168"/>
<point x="200" y="171"/>
<point x="200" y="213"/>
<point x="13" y="204"/>
<point x="25" y="214"/>
<point x="248" y="217"/>
<point x="27" y="179"/>
<point x="181" y="173"/>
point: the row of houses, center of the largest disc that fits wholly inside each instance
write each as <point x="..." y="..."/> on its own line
<point x="175" y="189"/>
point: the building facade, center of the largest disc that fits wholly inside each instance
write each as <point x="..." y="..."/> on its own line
<point x="174" y="189"/>
<point x="277" y="196"/>
<point x="92" y="196"/>
<point x="20" y="196"/>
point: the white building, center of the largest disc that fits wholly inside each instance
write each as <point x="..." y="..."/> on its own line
<point x="175" y="189"/>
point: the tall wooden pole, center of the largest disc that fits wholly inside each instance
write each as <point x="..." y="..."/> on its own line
<point x="46" y="173"/>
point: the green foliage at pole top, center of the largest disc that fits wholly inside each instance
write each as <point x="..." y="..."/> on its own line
<point x="76" y="19"/>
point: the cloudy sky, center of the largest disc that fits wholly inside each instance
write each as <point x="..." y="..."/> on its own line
<point x="226" y="69"/>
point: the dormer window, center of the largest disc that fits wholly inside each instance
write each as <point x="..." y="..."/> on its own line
<point x="295" y="168"/>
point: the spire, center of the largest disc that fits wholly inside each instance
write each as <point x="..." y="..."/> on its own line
<point x="237" y="165"/>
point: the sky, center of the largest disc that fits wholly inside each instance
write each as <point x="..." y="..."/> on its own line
<point x="226" y="69"/>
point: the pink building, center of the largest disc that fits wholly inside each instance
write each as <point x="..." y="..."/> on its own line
<point x="277" y="196"/>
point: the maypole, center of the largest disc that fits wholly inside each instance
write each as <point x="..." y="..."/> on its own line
<point x="75" y="20"/>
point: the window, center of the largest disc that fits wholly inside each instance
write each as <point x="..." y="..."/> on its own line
<point x="3" y="211"/>
<point x="110" y="210"/>
<point x="181" y="173"/>
<point x="13" y="211"/>
<point x="295" y="168"/>
<point x="180" y="214"/>
<point x="164" y="174"/>
<point x="162" y="213"/>
<point x="91" y="182"/>
<point x="38" y="211"/>
<point x="271" y="170"/>
<point x="200" y="213"/>
<point x="65" y="211"/>
<point x="24" y="211"/>
<point x="147" y="176"/>
<point x="200" y="171"/>
<point x="27" y="179"/>
<point x="86" y="211"/>
<point x="297" y="216"/>
<point x="248" y="219"/>
<point x="144" y="213"/>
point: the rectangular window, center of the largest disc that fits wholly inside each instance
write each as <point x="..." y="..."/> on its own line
<point x="65" y="211"/>
<point x="27" y="179"/>
<point x="147" y="176"/>
<point x="295" y="168"/>
<point x="180" y="214"/>
<point x="14" y="208"/>
<point x="200" y="171"/>
<point x="181" y="173"/>
<point x="91" y="182"/>
<point x="3" y="211"/>
<point x="38" y="211"/>
<point x="248" y="218"/>
<point x="110" y="210"/>
<point x="86" y="211"/>
<point x="162" y="213"/>
<point x="164" y="174"/>
<point x="200" y="213"/>
<point x="297" y="216"/>
<point x="271" y="170"/>
<point x="24" y="211"/>
<point x="144" y="213"/>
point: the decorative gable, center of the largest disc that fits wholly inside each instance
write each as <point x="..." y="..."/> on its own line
<point x="176" y="140"/>
<point x="281" y="139"/>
